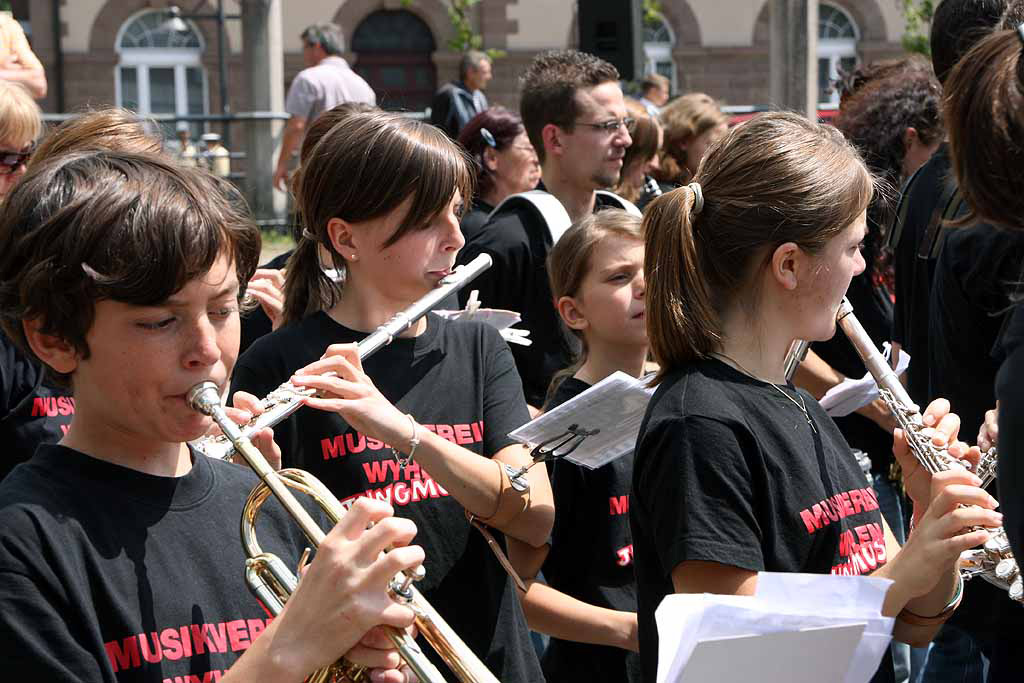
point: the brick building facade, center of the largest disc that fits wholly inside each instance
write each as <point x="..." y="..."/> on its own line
<point x="99" y="52"/>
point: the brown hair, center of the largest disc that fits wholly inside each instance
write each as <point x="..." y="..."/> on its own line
<point x="985" y="118"/>
<point x="20" y="118"/>
<point x="504" y="127"/>
<point x="134" y="228"/>
<point x="777" y="178"/>
<point x="571" y="259"/>
<point x="644" y="132"/>
<point x="654" y="81"/>
<point x="111" y="129"/>
<point x="549" y="90"/>
<point x="684" y="119"/>
<point x="363" y="168"/>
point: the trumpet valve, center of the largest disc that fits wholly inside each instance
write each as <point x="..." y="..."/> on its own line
<point x="401" y="585"/>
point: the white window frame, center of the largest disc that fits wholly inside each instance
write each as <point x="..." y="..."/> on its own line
<point x="661" y="52"/>
<point x="835" y="49"/>
<point x="144" y="58"/>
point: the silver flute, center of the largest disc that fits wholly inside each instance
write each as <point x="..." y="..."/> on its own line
<point x="994" y="561"/>
<point x="280" y="403"/>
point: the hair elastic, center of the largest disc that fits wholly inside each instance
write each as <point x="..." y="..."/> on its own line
<point x="488" y="138"/>
<point x="698" y="197"/>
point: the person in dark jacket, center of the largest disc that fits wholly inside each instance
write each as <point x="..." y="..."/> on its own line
<point x="459" y="101"/>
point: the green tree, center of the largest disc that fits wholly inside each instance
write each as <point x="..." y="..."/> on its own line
<point x="918" y="15"/>
<point x="466" y="38"/>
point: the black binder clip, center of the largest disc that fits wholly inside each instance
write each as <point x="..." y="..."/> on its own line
<point x="564" y="444"/>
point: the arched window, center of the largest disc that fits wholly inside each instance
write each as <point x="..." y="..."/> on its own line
<point x="658" y="42"/>
<point x="160" y="69"/>
<point x="394" y="51"/>
<point x="837" y="49"/>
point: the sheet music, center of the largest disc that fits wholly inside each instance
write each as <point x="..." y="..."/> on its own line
<point x="615" y="406"/>
<point x="783" y="604"/>
<point x="853" y="394"/>
<point x="495" y="317"/>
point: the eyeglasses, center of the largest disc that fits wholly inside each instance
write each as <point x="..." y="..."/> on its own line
<point x="10" y="161"/>
<point x="610" y="127"/>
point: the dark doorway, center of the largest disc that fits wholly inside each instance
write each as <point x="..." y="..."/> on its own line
<point x="393" y="53"/>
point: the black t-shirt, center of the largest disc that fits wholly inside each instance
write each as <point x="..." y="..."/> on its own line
<point x="914" y="272"/>
<point x="727" y="470"/>
<point x="109" y="574"/>
<point x="1010" y="392"/>
<point x="457" y="379"/>
<point x="873" y="308"/>
<point x="974" y="277"/>
<point x="519" y="242"/>
<point x="591" y="557"/>
<point x="475" y="218"/>
<point x="33" y="410"/>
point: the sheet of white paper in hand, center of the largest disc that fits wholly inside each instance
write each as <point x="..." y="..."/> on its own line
<point x="856" y="597"/>
<point x="495" y="317"/>
<point x="684" y="620"/>
<point x="615" y="406"/>
<point x="807" y="656"/>
<point x="852" y="394"/>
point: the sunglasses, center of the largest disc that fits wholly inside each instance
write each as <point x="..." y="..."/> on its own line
<point x="10" y="161"/>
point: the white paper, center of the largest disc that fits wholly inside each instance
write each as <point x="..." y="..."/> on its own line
<point x="615" y="406"/>
<point x="807" y="656"/>
<point x="853" y="394"/>
<point x="783" y="603"/>
<point x="495" y="317"/>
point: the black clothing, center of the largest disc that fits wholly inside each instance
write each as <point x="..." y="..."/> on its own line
<point x="1010" y="392"/>
<point x="970" y="296"/>
<point x="255" y="322"/>
<point x="519" y="242"/>
<point x="109" y="574"/>
<point x="475" y="218"/>
<point x="727" y="470"/>
<point x="914" y="269"/>
<point x="873" y="308"/>
<point x="591" y="557"/>
<point x="974" y="278"/>
<point x="454" y="105"/>
<point x="457" y="379"/>
<point x="33" y="410"/>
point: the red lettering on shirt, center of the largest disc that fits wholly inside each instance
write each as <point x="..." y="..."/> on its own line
<point x="180" y="642"/>
<point x="837" y="507"/>
<point x="52" y="406"/>
<point x="862" y="549"/>
<point x="625" y="555"/>
<point x="619" y="505"/>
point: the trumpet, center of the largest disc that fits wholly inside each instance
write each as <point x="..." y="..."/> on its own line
<point x="994" y="561"/>
<point x="280" y="403"/>
<point x="268" y="577"/>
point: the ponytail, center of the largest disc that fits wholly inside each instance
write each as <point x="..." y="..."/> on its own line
<point x="307" y="288"/>
<point x="682" y="324"/>
<point x="777" y="178"/>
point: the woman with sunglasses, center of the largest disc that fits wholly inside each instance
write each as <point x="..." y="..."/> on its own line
<point x="20" y="126"/>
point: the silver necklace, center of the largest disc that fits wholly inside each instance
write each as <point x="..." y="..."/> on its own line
<point x="802" y="405"/>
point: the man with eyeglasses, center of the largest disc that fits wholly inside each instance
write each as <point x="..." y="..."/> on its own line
<point x="327" y="81"/>
<point x="575" y="115"/>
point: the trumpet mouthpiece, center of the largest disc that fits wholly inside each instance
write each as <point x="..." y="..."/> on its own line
<point x="203" y="397"/>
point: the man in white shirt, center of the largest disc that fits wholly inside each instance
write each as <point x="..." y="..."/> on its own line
<point x="327" y="81"/>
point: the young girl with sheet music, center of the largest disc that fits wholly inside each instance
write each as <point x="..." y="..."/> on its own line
<point x="587" y="598"/>
<point x="423" y="423"/>
<point x="736" y="471"/>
